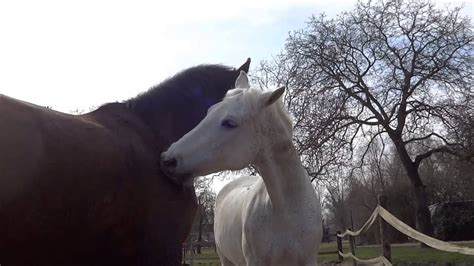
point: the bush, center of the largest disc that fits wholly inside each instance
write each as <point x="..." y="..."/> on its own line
<point x="453" y="221"/>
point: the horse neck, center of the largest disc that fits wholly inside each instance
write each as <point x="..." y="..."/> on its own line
<point x="161" y="117"/>
<point x="285" y="178"/>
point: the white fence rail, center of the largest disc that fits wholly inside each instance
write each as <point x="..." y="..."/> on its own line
<point x="404" y="229"/>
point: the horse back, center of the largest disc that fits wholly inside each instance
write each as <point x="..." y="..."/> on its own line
<point x="40" y="145"/>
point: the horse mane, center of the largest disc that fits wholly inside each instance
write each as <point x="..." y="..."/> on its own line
<point x="181" y="84"/>
<point x="285" y="115"/>
<point x="234" y="92"/>
<point x="176" y="105"/>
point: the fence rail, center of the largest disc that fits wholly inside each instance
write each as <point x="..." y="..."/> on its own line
<point x="385" y="217"/>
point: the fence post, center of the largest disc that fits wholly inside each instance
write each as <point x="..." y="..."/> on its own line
<point x="192" y="251"/>
<point x="384" y="237"/>
<point x="351" y="246"/>
<point x="183" y="248"/>
<point x="339" y="246"/>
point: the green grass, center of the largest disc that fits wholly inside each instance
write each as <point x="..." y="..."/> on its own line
<point x="414" y="254"/>
<point x="208" y="257"/>
<point x="403" y="254"/>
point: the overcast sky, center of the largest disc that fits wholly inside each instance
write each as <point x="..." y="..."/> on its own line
<point x="80" y="54"/>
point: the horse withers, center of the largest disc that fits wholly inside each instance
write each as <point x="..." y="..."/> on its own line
<point x="88" y="189"/>
<point x="274" y="219"/>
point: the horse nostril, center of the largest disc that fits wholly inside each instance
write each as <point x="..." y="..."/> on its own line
<point x="169" y="163"/>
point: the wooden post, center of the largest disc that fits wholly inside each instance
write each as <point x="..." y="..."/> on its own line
<point x="384" y="237"/>
<point x="351" y="246"/>
<point x="339" y="246"/>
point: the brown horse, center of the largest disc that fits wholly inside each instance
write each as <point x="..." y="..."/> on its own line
<point x="87" y="189"/>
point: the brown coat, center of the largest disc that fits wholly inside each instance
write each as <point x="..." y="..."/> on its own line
<point x="87" y="189"/>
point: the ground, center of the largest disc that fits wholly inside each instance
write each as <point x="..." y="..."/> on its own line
<point x="402" y="254"/>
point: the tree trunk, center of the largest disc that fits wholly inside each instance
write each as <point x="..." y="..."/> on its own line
<point x="422" y="215"/>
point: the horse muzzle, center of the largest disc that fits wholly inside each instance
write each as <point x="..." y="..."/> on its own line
<point x="169" y="166"/>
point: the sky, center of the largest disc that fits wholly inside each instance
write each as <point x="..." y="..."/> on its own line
<point x="73" y="55"/>
<point x="80" y="54"/>
<point x="77" y="55"/>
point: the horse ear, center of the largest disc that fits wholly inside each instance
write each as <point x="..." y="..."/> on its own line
<point x="242" y="81"/>
<point x="271" y="97"/>
<point x="245" y="67"/>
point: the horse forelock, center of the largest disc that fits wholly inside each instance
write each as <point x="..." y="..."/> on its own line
<point x="234" y="92"/>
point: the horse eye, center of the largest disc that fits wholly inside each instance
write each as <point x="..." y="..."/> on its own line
<point x="229" y="124"/>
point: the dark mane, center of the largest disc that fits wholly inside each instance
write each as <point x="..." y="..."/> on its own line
<point x="181" y="101"/>
<point x="185" y="83"/>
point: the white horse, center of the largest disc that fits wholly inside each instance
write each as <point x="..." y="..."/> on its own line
<point x="274" y="219"/>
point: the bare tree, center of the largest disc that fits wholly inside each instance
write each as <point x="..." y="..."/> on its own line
<point x="401" y="69"/>
<point x="317" y="134"/>
<point x="335" y="202"/>
<point x="206" y="201"/>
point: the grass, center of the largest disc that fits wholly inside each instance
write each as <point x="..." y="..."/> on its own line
<point x="410" y="253"/>
<point x="402" y="254"/>
<point x="208" y="257"/>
